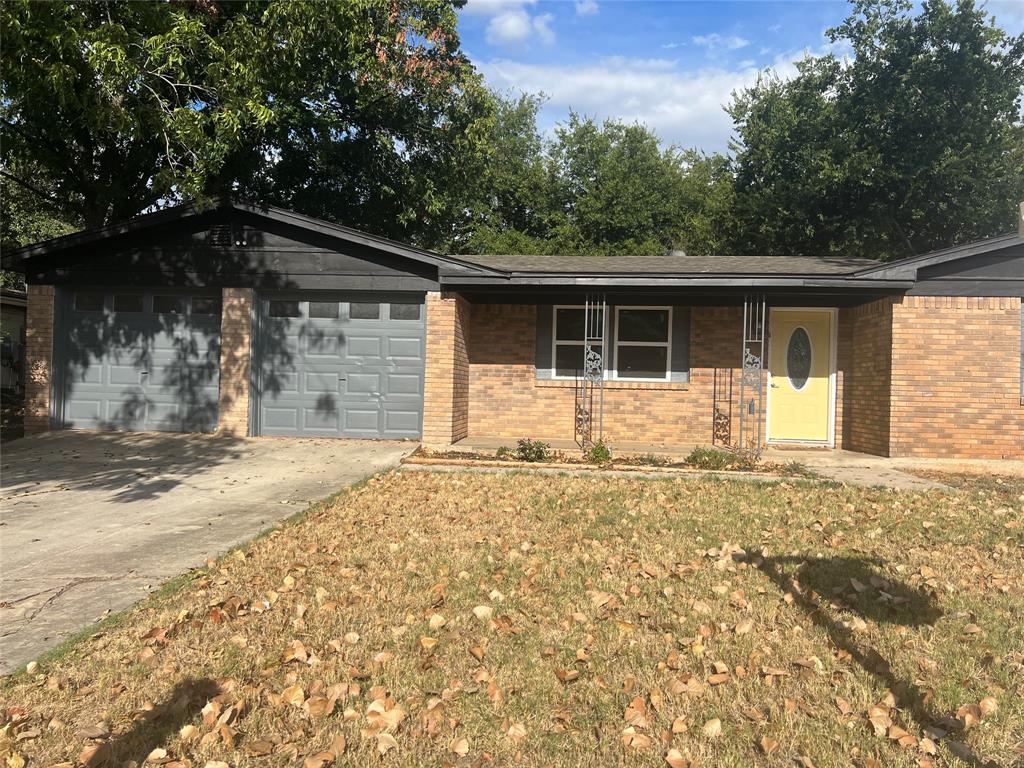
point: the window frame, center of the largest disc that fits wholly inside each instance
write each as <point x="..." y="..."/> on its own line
<point x="667" y="344"/>
<point x="570" y="343"/>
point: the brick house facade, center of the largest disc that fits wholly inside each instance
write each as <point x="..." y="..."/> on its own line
<point x="927" y="352"/>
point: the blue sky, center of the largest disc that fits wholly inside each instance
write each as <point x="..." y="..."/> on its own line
<point x="670" y="65"/>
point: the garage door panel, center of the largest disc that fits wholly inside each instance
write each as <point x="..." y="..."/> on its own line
<point x="400" y="348"/>
<point x="404" y="384"/>
<point x="137" y="370"/>
<point x="362" y="383"/>
<point x="348" y="375"/>
<point x="363" y="347"/>
<point x="280" y="419"/>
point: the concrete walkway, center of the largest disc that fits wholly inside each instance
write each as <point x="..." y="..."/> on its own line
<point x="90" y="522"/>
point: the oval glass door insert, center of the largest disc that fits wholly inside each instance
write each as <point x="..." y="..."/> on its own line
<point x="798" y="358"/>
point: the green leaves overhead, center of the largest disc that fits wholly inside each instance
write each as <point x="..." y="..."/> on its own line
<point x="912" y="143"/>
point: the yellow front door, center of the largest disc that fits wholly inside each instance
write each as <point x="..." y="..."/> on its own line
<point x="800" y="361"/>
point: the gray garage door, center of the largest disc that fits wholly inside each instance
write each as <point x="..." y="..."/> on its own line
<point x="341" y="366"/>
<point x="139" y="360"/>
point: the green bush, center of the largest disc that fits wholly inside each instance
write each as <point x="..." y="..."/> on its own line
<point x="713" y="458"/>
<point x="504" y="452"/>
<point x="532" y="450"/>
<point x="599" y="453"/>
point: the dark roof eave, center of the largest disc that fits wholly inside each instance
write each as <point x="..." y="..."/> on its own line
<point x="526" y="280"/>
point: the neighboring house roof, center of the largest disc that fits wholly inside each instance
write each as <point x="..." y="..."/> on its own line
<point x="11" y="297"/>
<point x="675" y="263"/>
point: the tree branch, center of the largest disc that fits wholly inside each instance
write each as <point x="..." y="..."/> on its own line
<point x="51" y="200"/>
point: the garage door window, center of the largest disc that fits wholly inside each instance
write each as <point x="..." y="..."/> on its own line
<point x="363" y="311"/>
<point x="169" y="305"/>
<point x="284" y="309"/>
<point x="405" y="311"/>
<point x="323" y="309"/>
<point x="127" y="302"/>
<point x="205" y="305"/>
<point x="88" y="302"/>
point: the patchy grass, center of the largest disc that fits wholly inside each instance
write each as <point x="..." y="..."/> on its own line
<point x="542" y="620"/>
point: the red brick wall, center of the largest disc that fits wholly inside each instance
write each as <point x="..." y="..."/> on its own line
<point x="956" y="377"/>
<point x="235" y="360"/>
<point x="867" y="374"/>
<point x="508" y="401"/>
<point x="446" y="379"/>
<point x="38" y="358"/>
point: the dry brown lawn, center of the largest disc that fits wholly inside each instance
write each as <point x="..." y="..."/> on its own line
<point x="470" y="619"/>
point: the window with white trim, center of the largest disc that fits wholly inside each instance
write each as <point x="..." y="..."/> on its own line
<point x="643" y="343"/>
<point x="567" y="342"/>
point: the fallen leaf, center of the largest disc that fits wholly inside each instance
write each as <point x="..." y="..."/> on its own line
<point x="675" y="759"/>
<point x="483" y="612"/>
<point x="385" y="743"/>
<point x="460" y="746"/>
<point x="94" y="755"/>
<point x="567" y="675"/>
<point x="516" y="731"/>
<point x="712" y="728"/>
<point x="768" y="745"/>
<point x="679" y="725"/>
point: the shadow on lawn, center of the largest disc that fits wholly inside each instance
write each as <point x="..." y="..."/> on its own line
<point x="859" y="586"/>
<point x="155" y="727"/>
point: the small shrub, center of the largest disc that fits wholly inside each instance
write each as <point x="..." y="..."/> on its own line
<point x="504" y="452"/>
<point x="713" y="458"/>
<point x="599" y="453"/>
<point x="532" y="450"/>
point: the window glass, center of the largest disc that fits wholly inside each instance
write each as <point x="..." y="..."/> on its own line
<point x="323" y="309"/>
<point x="569" y="324"/>
<point x="405" y="311"/>
<point x="643" y="325"/>
<point x="128" y="302"/>
<point x="364" y="311"/>
<point x="88" y="301"/>
<point x="284" y="309"/>
<point x="205" y="305"/>
<point x="169" y="305"/>
<point x="568" y="360"/>
<point x="642" y="362"/>
<point x="798" y="358"/>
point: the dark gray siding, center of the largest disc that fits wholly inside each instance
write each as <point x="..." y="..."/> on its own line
<point x="237" y="249"/>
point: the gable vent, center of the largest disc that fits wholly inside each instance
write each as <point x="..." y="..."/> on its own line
<point x="226" y="236"/>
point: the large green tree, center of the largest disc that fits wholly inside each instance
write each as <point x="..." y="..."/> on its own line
<point x="363" y="111"/>
<point x="913" y="143"/>
<point x="593" y="188"/>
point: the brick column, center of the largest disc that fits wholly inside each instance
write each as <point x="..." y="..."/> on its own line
<point x="38" y="358"/>
<point x="235" y="358"/>
<point x="446" y="388"/>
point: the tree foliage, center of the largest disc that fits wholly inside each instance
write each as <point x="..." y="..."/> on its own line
<point x="352" y="110"/>
<point x="914" y="143"/>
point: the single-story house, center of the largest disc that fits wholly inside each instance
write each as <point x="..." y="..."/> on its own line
<point x="252" y="320"/>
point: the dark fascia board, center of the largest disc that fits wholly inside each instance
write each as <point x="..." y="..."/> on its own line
<point x="702" y="280"/>
<point x="196" y="208"/>
<point x="906" y="269"/>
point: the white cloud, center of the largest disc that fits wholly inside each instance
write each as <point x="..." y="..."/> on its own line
<point x="542" y="26"/>
<point x="669" y="46"/>
<point x="586" y="7"/>
<point x="683" y="106"/>
<point x="511" y="24"/>
<point x="716" y="42"/>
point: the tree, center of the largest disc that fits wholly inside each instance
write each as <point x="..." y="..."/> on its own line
<point x="361" y="111"/>
<point x="914" y="144"/>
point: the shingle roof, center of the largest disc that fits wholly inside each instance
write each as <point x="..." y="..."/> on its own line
<point x="673" y="263"/>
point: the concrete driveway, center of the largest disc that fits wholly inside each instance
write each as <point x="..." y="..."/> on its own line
<point x="91" y="522"/>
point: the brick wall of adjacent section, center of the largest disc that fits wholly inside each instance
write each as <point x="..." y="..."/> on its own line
<point x="235" y="361"/>
<point x="446" y="379"/>
<point x="38" y="357"/>
<point x="508" y="401"/>
<point x="956" y="378"/>
<point x="867" y="330"/>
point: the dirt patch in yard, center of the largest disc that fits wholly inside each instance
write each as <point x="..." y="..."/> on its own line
<point x="457" y="619"/>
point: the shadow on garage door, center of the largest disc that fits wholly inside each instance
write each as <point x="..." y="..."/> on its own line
<point x="138" y="359"/>
<point x="340" y="365"/>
